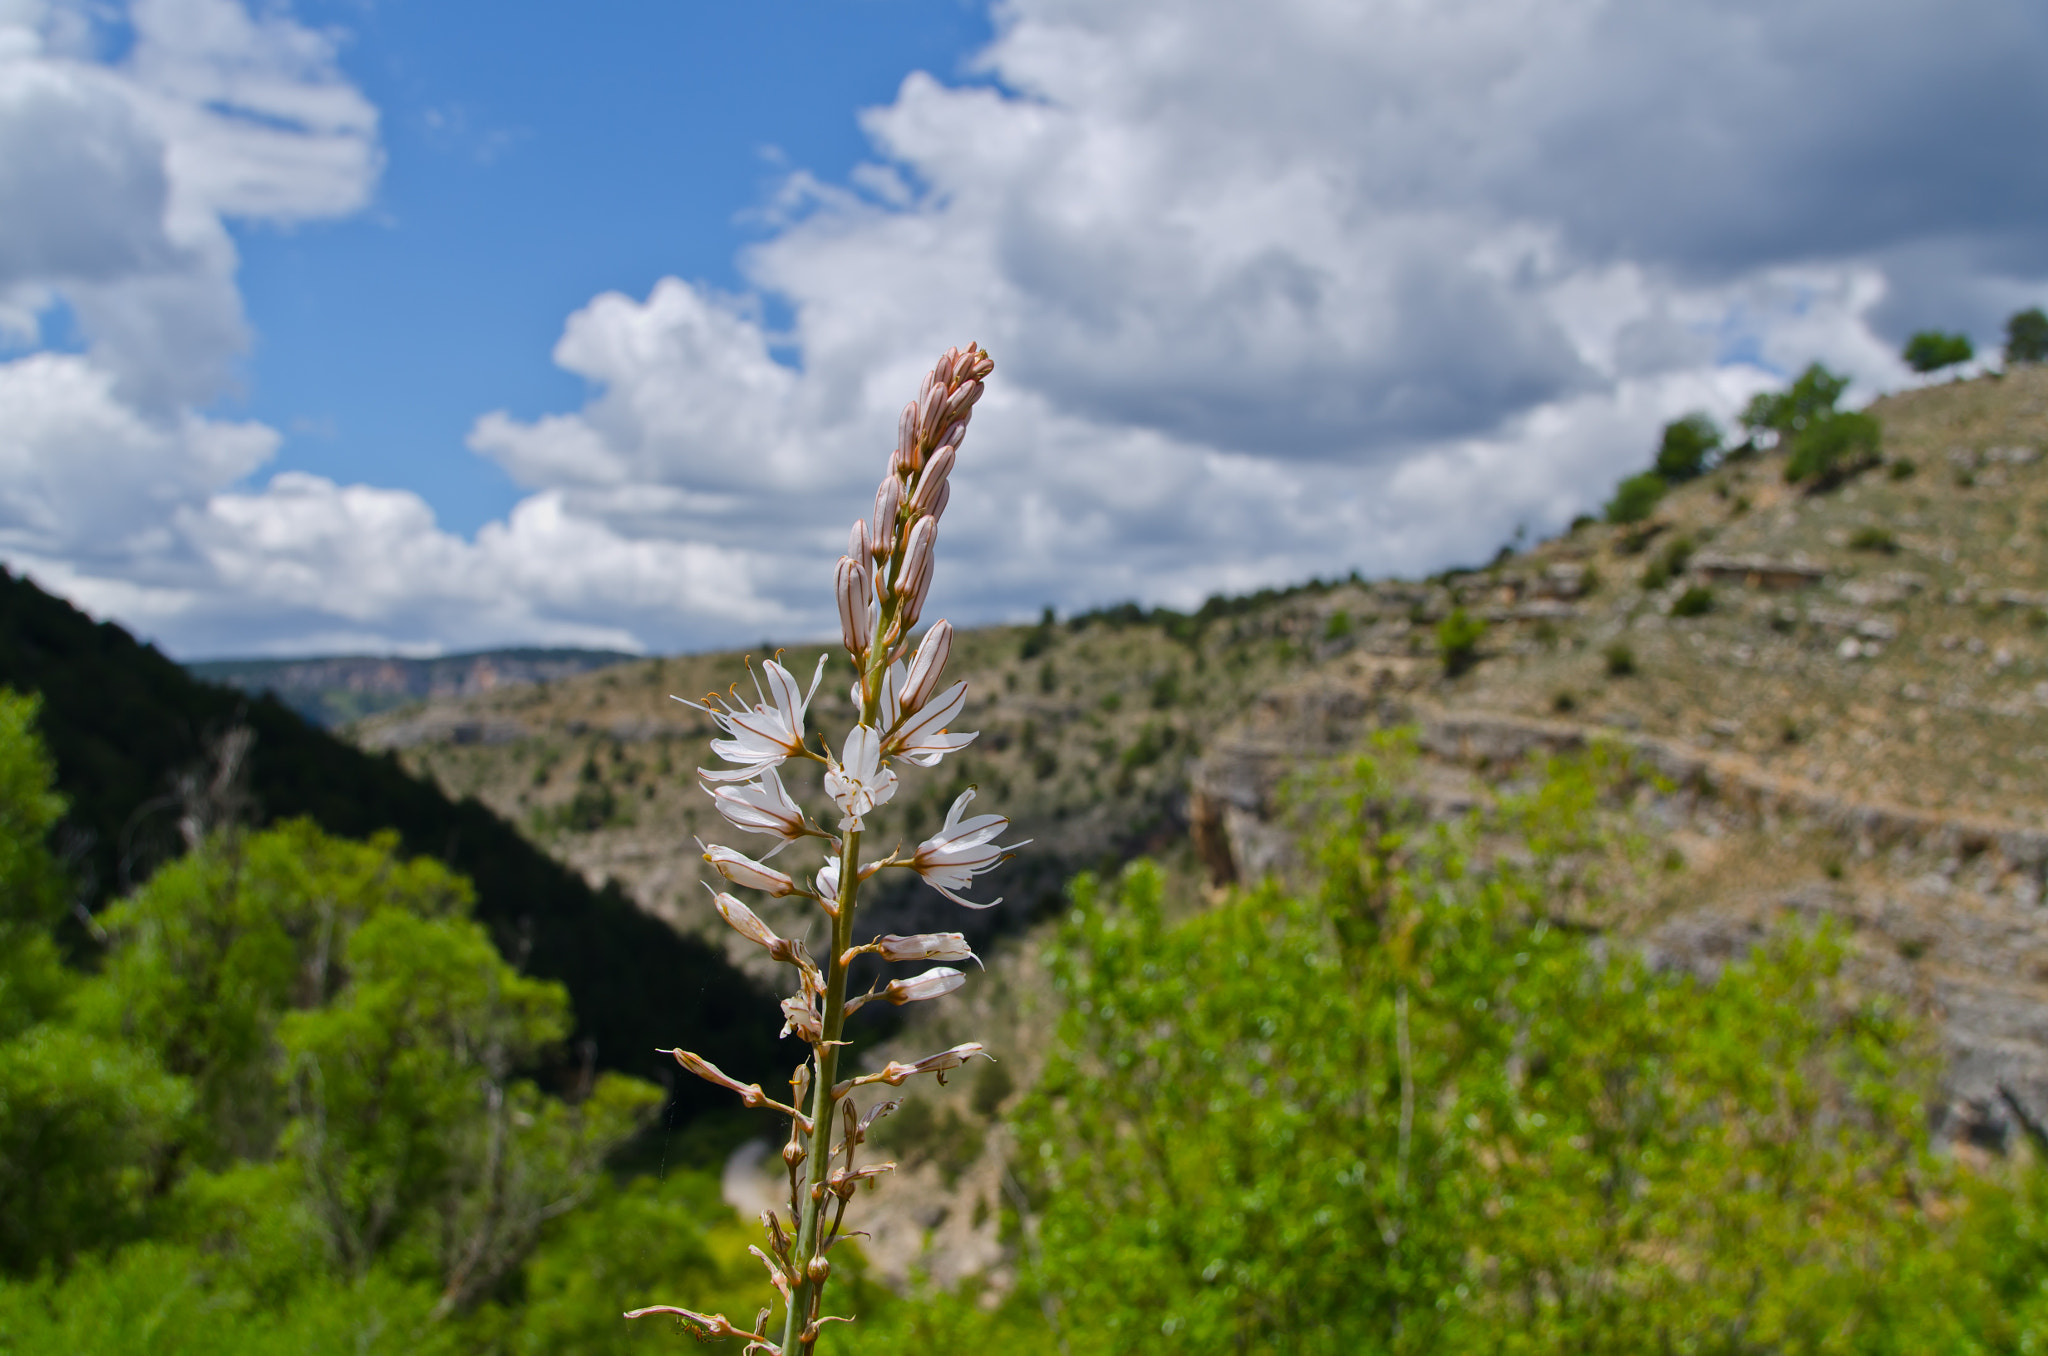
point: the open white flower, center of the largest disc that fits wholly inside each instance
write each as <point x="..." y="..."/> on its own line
<point x="764" y="734"/>
<point x="922" y="738"/>
<point x="761" y="807"/>
<point x="950" y="859"/>
<point x="859" y="782"/>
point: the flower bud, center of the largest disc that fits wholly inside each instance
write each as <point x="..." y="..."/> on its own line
<point x="857" y="539"/>
<point x="888" y="503"/>
<point x="945" y="497"/>
<point x="906" y="440"/>
<point x="818" y="1269"/>
<point x="925" y="497"/>
<point x="929" y="409"/>
<point x="745" y="923"/>
<point x="955" y="434"/>
<point x="961" y="401"/>
<point x="741" y="869"/>
<point x="792" y="1154"/>
<point x="924" y="946"/>
<point x="934" y="983"/>
<point x="854" y="586"/>
<point x="915" y="575"/>
<point x="926" y="667"/>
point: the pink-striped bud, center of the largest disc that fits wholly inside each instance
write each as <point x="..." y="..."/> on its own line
<point x="929" y="410"/>
<point x="926" y="667"/>
<point x="857" y="538"/>
<point x="741" y="869"/>
<point x="888" y="504"/>
<point x="924" y="946"/>
<point x="924" y="499"/>
<point x="960" y="402"/>
<point x="915" y="576"/>
<point x="906" y="440"/>
<point x="956" y="433"/>
<point x="855" y="588"/>
<point x="945" y="498"/>
<point x="933" y="983"/>
<point x="977" y="365"/>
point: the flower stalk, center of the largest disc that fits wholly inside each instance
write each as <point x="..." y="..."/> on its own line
<point x="880" y="587"/>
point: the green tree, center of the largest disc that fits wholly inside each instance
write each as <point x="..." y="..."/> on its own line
<point x="1810" y="399"/>
<point x="1636" y="498"/>
<point x="1830" y="449"/>
<point x="88" y="1127"/>
<point x="1932" y="350"/>
<point x="1408" y="1113"/>
<point x="2026" y="336"/>
<point x="1687" y="448"/>
<point x="415" y="1144"/>
<point x="209" y="955"/>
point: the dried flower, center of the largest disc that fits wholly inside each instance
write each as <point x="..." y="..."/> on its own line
<point x="924" y="946"/>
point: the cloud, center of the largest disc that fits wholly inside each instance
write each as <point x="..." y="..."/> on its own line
<point x="1273" y="291"/>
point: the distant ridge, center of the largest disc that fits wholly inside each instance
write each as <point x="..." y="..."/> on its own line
<point x="122" y="722"/>
<point x="332" y="690"/>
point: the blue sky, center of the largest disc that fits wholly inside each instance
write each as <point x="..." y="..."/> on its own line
<point x="537" y="155"/>
<point x="386" y="326"/>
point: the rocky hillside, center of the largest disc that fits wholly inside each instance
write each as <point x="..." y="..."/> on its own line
<point x="336" y="689"/>
<point x="1845" y="694"/>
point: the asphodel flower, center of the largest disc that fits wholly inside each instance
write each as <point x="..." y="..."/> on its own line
<point x="761" y="735"/>
<point x="761" y="806"/>
<point x="962" y="849"/>
<point x="923" y="738"/>
<point x="903" y="717"/>
<point x="859" y="782"/>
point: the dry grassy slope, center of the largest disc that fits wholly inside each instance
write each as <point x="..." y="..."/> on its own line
<point x="1861" y="735"/>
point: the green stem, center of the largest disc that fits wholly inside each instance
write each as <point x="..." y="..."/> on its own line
<point x="818" y="1157"/>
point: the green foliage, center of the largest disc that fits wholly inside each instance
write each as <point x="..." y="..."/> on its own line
<point x="88" y="1128"/>
<point x="1809" y="400"/>
<point x="209" y="955"/>
<point x="1694" y="602"/>
<point x="1669" y="563"/>
<point x="1932" y="350"/>
<point x="1404" y="1113"/>
<point x="1338" y="626"/>
<point x="1873" y="538"/>
<point x="1687" y="448"/>
<point x="1457" y="641"/>
<point x="32" y="980"/>
<point x="2026" y="336"/>
<point x="1833" y="448"/>
<point x="1636" y="498"/>
<point x="1620" y="660"/>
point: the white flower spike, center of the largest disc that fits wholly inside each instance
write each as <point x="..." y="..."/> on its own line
<point x="950" y="859"/>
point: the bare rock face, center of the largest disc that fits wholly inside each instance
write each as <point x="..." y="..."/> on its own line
<point x="1942" y="911"/>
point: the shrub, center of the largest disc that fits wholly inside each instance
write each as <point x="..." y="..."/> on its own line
<point x="1830" y="450"/>
<point x="1621" y="660"/>
<point x="1932" y="350"/>
<point x="1873" y="539"/>
<point x="1457" y="641"/>
<point x="1688" y="447"/>
<point x="1694" y="602"/>
<point x="2026" y="336"/>
<point x="1636" y="498"/>
<point x="1902" y="468"/>
<point x="1809" y="400"/>
<point x="1668" y="564"/>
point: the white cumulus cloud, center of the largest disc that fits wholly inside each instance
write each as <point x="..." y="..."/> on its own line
<point x="1273" y="291"/>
